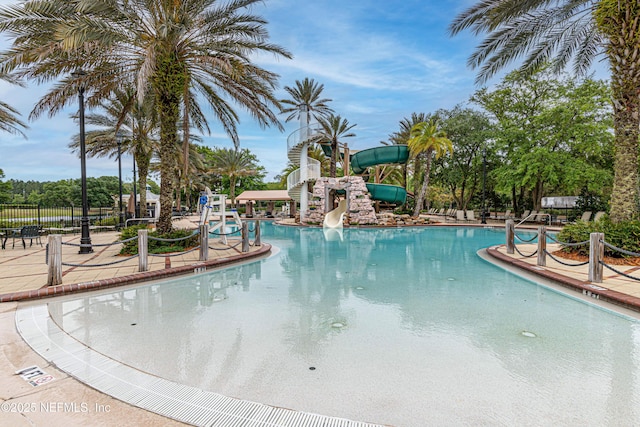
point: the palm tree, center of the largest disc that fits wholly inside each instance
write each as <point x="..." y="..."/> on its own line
<point x="571" y="31"/>
<point x="402" y="136"/>
<point x="133" y="123"/>
<point x="234" y="164"/>
<point x="9" y="121"/>
<point x="332" y="130"/>
<point x="167" y="48"/>
<point x="426" y="139"/>
<point x="305" y="97"/>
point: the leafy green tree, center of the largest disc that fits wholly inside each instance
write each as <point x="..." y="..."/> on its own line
<point x="426" y="140"/>
<point x="5" y="189"/>
<point x="469" y="130"/>
<point x="332" y="130"/>
<point x="554" y="135"/>
<point x="571" y="31"/>
<point x="167" y="49"/>
<point x="61" y="193"/>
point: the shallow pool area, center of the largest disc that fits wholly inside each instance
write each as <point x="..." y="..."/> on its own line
<point x="405" y="327"/>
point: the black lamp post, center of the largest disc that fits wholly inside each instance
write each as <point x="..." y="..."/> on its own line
<point x="135" y="202"/>
<point x="484" y="186"/>
<point x="119" y="141"/>
<point x="85" y="238"/>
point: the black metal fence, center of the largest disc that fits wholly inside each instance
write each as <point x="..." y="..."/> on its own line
<point x="17" y="215"/>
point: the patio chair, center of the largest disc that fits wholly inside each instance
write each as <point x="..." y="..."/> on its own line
<point x="598" y="215"/>
<point x="27" y="232"/>
<point x="525" y="214"/>
<point x="586" y="216"/>
<point x="471" y="215"/>
<point x="460" y="215"/>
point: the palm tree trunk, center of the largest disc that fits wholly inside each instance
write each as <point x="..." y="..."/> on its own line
<point x="169" y="83"/>
<point x="626" y="113"/>
<point x="334" y="157"/>
<point x="143" y="162"/>
<point x="424" y="187"/>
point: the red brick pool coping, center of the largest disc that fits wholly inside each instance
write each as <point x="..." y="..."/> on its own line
<point x="584" y="287"/>
<point x="197" y="267"/>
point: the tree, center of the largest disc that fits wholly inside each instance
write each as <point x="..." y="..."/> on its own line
<point x="426" y="139"/>
<point x="166" y="49"/>
<point x="234" y="164"/>
<point x="401" y="137"/>
<point x="305" y="97"/>
<point x="565" y="31"/>
<point x="332" y="130"/>
<point x="123" y="118"/>
<point x="5" y="189"/>
<point x="554" y="135"/>
<point x="469" y="130"/>
<point x="9" y="121"/>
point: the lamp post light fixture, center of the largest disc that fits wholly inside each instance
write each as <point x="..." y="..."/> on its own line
<point x="85" y="238"/>
<point x="119" y="137"/>
<point x="484" y="186"/>
<point x="135" y="194"/>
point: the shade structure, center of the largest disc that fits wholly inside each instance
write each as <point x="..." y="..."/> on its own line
<point x="268" y="195"/>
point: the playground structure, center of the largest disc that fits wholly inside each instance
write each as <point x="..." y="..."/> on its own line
<point x="214" y="212"/>
<point x="358" y="206"/>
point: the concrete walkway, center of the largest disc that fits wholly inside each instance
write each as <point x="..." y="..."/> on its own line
<point x="67" y="402"/>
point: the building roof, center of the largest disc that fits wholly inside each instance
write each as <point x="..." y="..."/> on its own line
<point x="270" y="195"/>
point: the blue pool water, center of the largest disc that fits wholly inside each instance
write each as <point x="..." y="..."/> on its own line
<point x="407" y="327"/>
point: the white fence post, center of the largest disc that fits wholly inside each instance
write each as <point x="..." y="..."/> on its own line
<point x="54" y="260"/>
<point x="143" y="250"/>
<point x="596" y="255"/>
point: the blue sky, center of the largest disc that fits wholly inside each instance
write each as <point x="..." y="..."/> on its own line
<point x="379" y="62"/>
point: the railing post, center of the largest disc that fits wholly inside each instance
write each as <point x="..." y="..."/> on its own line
<point x="143" y="250"/>
<point x="245" y="237"/>
<point x="509" y="230"/>
<point x="542" y="246"/>
<point x="596" y="255"/>
<point x="204" y="242"/>
<point x="54" y="260"/>
<point x="257" y="241"/>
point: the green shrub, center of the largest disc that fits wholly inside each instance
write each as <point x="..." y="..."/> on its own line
<point x="624" y="235"/>
<point x="155" y="246"/>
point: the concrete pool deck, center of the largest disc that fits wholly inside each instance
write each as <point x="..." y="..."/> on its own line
<point x="66" y="401"/>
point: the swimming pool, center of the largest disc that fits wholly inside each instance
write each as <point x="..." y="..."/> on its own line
<point x="403" y="326"/>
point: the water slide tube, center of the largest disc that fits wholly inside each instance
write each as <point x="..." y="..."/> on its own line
<point x="333" y="219"/>
<point x="361" y="160"/>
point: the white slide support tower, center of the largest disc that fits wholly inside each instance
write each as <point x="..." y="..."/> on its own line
<point x="309" y="169"/>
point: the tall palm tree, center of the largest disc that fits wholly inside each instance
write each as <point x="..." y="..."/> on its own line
<point x="402" y="136"/>
<point x="234" y="164"/>
<point x="426" y="139"/>
<point x="167" y="48"/>
<point x="332" y="130"/>
<point x="305" y="96"/>
<point x="571" y="31"/>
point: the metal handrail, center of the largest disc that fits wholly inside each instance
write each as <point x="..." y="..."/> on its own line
<point x="533" y="215"/>
<point x="295" y="138"/>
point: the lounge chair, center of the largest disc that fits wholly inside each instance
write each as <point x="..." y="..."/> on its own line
<point x="471" y="215"/>
<point x="598" y="215"/>
<point x="507" y="214"/>
<point x="27" y="232"/>
<point x="586" y="216"/>
<point x="531" y="217"/>
<point x="525" y="214"/>
<point x="460" y="216"/>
